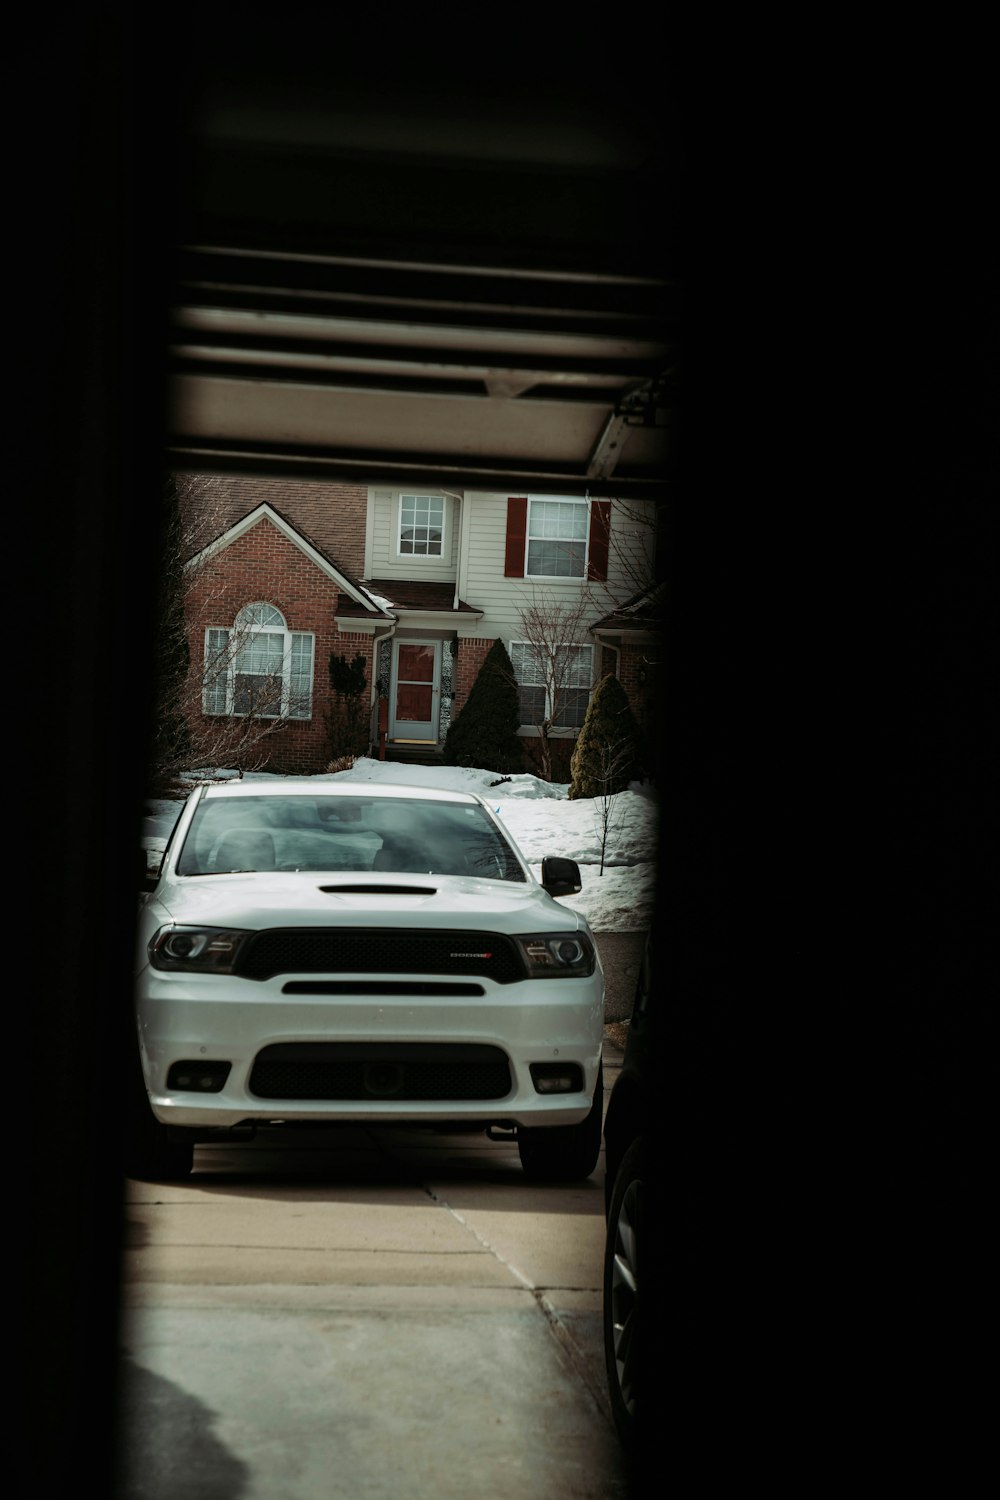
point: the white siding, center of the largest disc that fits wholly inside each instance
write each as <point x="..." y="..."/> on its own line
<point x="385" y="561"/>
<point x="501" y="599"/>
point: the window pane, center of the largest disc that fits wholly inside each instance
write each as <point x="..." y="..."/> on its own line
<point x="524" y="660"/>
<point x="261" y="652"/>
<point x="421" y="525"/>
<point x="216" y="675"/>
<point x="414" y="703"/>
<point x="532" y="701"/>
<point x="557" y="539"/>
<point x="257" y="680"/>
<point x="420" y="541"/>
<point x="572" y="707"/>
<point x="256" y="694"/>
<point x="557" y="559"/>
<point x="260" y="614"/>
<point x="554" y="518"/>
<point x="573" y="666"/>
<point x="415" y="663"/>
<point x="300" y="677"/>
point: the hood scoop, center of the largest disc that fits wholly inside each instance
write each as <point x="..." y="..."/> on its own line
<point x="378" y="890"/>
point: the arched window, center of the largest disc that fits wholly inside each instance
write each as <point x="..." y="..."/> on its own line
<point x="258" y="667"/>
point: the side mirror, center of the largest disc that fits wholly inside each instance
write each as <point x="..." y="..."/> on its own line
<point x="147" y="878"/>
<point x="561" y="877"/>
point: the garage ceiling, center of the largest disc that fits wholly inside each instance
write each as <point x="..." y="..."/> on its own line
<point x="467" y="285"/>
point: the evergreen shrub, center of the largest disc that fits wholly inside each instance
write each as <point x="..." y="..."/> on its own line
<point x="606" y="754"/>
<point x="347" y="718"/>
<point x="484" y="733"/>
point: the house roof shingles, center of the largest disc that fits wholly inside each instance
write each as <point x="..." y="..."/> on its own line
<point x="212" y="503"/>
<point x="410" y="594"/>
<point x="644" y="611"/>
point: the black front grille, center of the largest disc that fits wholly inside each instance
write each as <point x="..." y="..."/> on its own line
<point x="381" y="1070"/>
<point x="374" y="950"/>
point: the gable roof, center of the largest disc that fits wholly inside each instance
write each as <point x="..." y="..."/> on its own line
<point x="211" y="503"/>
<point x="317" y="555"/>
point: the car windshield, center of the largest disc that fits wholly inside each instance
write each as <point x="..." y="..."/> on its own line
<point x="361" y="835"/>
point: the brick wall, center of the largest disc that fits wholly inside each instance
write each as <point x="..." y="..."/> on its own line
<point x="470" y="658"/>
<point x="264" y="565"/>
<point x="637" y="675"/>
<point x="561" y="752"/>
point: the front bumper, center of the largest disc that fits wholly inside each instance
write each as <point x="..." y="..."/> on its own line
<point x="220" y="1018"/>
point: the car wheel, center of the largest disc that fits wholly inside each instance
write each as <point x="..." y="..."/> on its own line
<point x="153" y="1152"/>
<point x="621" y="1292"/>
<point x="564" y="1153"/>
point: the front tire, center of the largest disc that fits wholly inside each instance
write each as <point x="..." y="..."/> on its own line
<point x="564" y="1153"/>
<point x="622" y="1307"/>
<point x="153" y="1152"/>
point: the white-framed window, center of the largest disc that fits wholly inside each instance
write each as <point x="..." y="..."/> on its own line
<point x="553" y="686"/>
<point x="421" y="525"/>
<point x="257" y="666"/>
<point x="557" y="539"/>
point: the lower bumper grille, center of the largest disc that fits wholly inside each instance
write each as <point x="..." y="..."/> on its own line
<point x="380" y="1070"/>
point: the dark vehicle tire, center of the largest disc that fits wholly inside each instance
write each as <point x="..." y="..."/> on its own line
<point x="622" y="1329"/>
<point x="564" y="1153"/>
<point x="153" y="1152"/>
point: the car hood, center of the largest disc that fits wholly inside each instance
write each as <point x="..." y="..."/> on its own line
<point x="294" y="899"/>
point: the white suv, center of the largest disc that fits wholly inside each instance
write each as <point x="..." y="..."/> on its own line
<point x="380" y="953"/>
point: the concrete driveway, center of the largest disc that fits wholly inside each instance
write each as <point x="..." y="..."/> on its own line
<point x="383" y="1313"/>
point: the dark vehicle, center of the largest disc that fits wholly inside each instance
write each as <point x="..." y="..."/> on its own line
<point x="623" y="1189"/>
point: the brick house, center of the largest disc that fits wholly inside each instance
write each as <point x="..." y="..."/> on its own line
<point x="282" y="574"/>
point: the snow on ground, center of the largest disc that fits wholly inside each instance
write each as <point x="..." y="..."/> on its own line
<point x="542" y="821"/>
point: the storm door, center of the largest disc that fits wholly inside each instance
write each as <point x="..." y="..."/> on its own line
<point x="416" y="690"/>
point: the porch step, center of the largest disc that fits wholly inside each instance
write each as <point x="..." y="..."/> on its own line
<point x="414" y="755"/>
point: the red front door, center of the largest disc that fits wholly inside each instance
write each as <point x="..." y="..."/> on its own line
<point x="416" y="690"/>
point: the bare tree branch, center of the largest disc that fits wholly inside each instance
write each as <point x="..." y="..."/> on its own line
<point x="608" y="816"/>
<point x="632" y="545"/>
<point x="550" y="627"/>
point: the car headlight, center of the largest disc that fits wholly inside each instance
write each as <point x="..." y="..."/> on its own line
<point x="557" y="955"/>
<point x="210" y="950"/>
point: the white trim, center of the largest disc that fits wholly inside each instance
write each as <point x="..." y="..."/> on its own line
<point x="370" y="530"/>
<point x="264" y="512"/>
<point x="627" y="636"/>
<point x="437" y="619"/>
<point x="347" y="623"/>
<point x="434" y="723"/>
<point x="416" y="619"/>
<point x="421" y="559"/>
<point x="288" y="638"/>
<point x="464" y="535"/>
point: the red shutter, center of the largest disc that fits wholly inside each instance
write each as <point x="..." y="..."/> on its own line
<point x="600" y="531"/>
<point x="517" y="531"/>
